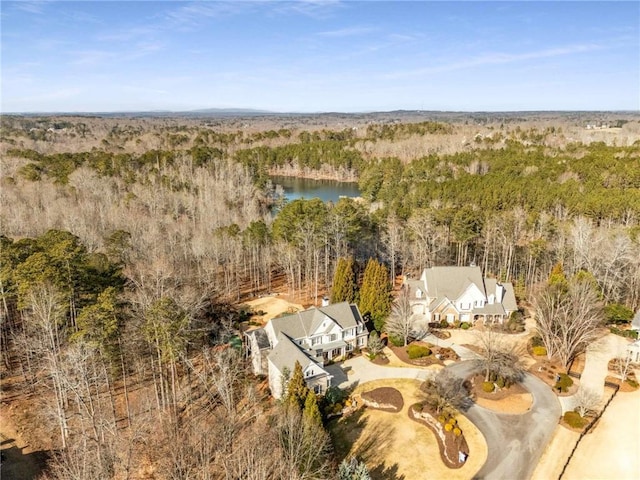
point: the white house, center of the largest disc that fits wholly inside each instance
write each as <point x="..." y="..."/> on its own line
<point x="460" y="294"/>
<point x="635" y="323"/>
<point x="312" y="337"/>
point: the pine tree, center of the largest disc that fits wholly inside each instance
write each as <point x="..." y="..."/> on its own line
<point x="311" y="413"/>
<point x="375" y="294"/>
<point x="297" y="388"/>
<point x="344" y="282"/>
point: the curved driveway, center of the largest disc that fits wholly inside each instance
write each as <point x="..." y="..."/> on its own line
<point x="515" y="442"/>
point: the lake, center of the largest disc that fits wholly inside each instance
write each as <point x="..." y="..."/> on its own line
<point x="325" y="190"/>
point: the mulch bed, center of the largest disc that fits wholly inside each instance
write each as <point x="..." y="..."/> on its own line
<point x="445" y="354"/>
<point x="546" y="371"/>
<point x="450" y="446"/>
<point x="383" y="398"/>
<point x="498" y="394"/>
<point x="380" y="360"/>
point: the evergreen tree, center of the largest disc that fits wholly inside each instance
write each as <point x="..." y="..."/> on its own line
<point x="344" y="282"/>
<point x="297" y="390"/>
<point x="353" y="470"/>
<point x="558" y="280"/>
<point x="375" y="294"/>
<point x="311" y="413"/>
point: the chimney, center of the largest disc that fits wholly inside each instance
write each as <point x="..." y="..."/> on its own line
<point x="499" y="292"/>
<point x="325" y="301"/>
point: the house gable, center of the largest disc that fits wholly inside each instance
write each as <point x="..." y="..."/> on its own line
<point x="471" y="297"/>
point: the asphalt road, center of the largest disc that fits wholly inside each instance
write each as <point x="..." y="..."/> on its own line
<point x="515" y="442"/>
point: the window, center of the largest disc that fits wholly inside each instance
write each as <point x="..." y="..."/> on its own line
<point x="479" y="303"/>
<point x="316" y="340"/>
<point x="333" y="337"/>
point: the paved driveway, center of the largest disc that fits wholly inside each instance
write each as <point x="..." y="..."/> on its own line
<point x="515" y="442"/>
<point x="360" y="370"/>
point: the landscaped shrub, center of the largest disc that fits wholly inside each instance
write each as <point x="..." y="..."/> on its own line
<point x="442" y="419"/>
<point x="457" y="432"/>
<point x="465" y="326"/>
<point x="539" y="350"/>
<point x="488" y="387"/>
<point x="536" y="341"/>
<point x="452" y="421"/>
<point x="334" y="395"/>
<point x="574" y="420"/>
<point x="396" y="340"/>
<point x="632" y="382"/>
<point x="564" y="383"/>
<point x="633" y="334"/>
<point x="456" y="324"/>
<point x="500" y="382"/>
<point x="418" y="351"/>
<point x="444" y="323"/>
<point x="448" y="427"/>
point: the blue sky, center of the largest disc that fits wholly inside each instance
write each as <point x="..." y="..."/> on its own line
<point x="320" y="55"/>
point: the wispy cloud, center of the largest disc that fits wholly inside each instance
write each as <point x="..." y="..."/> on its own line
<point x="193" y="14"/>
<point x="96" y="57"/>
<point x="347" y="32"/>
<point x="36" y="7"/>
<point x="498" y="59"/>
<point x="320" y="9"/>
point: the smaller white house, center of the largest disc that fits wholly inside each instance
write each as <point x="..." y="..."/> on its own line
<point x="635" y="323"/>
<point x="460" y="294"/>
<point x="633" y="352"/>
<point x="312" y="337"/>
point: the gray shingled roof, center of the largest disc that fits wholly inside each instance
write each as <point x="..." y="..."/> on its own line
<point x="450" y="282"/>
<point x="509" y="300"/>
<point x="261" y="337"/>
<point x="286" y="352"/>
<point x="302" y="324"/>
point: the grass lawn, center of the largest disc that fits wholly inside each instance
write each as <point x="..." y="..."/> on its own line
<point x="393" y="446"/>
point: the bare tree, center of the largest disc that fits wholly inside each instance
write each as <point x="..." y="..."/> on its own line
<point x="374" y="345"/>
<point x="305" y="445"/>
<point x="586" y="401"/>
<point x="401" y="321"/>
<point x="568" y="321"/>
<point x="498" y="359"/>
<point x="446" y="392"/>
<point x="622" y="365"/>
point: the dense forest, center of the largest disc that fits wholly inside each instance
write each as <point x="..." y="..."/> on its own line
<point x="128" y="246"/>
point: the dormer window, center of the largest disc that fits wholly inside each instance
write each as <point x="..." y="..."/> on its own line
<point x="418" y="293"/>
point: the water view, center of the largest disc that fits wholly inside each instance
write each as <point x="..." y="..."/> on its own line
<point x="325" y="190"/>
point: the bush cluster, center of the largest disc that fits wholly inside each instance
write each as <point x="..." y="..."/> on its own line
<point x="574" y="420"/>
<point x="396" y="340"/>
<point x="633" y="334"/>
<point x="488" y="387"/>
<point x="539" y="350"/>
<point x="563" y="383"/>
<point x="418" y="351"/>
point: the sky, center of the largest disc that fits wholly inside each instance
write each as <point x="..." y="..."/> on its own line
<point x="319" y="56"/>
